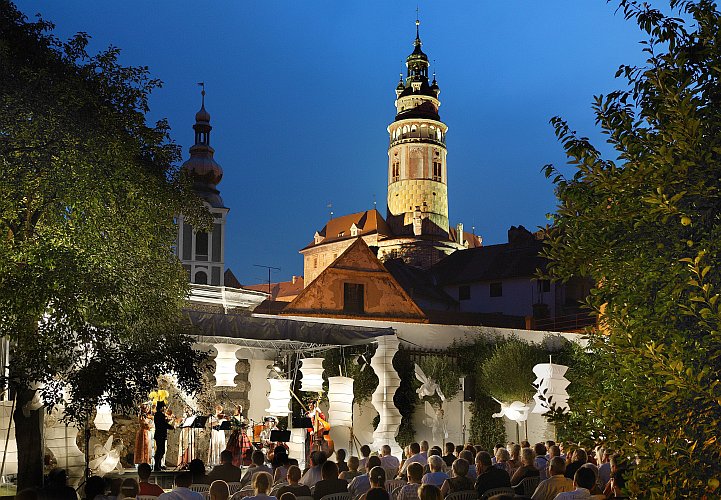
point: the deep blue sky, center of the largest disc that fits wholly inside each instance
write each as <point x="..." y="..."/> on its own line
<point x="300" y="95"/>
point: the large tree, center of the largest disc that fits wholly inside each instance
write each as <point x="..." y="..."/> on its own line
<point x="646" y="226"/>
<point x="90" y="291"/>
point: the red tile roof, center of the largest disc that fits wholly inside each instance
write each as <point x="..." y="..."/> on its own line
<point x="367" y="222"/>
<point x="283" y="289"/>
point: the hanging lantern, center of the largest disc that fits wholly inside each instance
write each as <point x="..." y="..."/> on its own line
<point x="551" y="387"/>
<point x="312" y="370"/>
<point x="103" y="417"/>
<point x="225" y="365"/>
<point x="279" y="397"/>
<point x="340" y="396"/>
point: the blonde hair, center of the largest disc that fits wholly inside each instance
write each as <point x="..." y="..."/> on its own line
<point x="262" y="482"/>
<point x="219" y="490"/>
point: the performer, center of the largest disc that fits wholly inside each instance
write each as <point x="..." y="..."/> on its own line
<point x="141" y="454"/>
<point x="270" y="426"/>
<point x="319" y="438"/>
<point x="161" y="433"/>
<point x="217" y="437"/>
<point x="238" y="443"/>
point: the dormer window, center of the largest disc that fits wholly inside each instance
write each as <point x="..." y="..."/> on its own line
<point x="317" y="238"/>
<point x="341" y="234"/>
<point x="354" y="230"/>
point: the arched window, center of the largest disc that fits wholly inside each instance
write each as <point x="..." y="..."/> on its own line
<point x="201" y="278"/>
<point x="201" y="246"/>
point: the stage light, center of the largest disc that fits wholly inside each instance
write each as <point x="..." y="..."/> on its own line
<point x="312" y="371"/>
<point x="340" y="397"/>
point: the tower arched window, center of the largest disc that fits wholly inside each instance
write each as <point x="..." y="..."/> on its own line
<point x="396" y="169"/>
<point x="201" y="245"/>
<point x="437" y="170"/>
<point x="201" y="278"/>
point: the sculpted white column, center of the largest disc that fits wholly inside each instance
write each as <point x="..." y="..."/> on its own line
<point x="388" y="383"/>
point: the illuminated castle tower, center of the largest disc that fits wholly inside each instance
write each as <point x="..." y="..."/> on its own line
<point x="417" y="182"/>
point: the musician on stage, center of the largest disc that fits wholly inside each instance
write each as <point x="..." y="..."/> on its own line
<point x="238" y="442"/>
<point x="318" y="435"/>
<point x="270" y="426"/>
<point x="217" y="436"/>
<point x="161" y="433"/>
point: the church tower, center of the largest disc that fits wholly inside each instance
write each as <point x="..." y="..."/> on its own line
<point x="417" y="181"/>
<point x="203" y="254"/>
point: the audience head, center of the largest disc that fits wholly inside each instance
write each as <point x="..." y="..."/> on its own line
<point x="144" y="471"/>
<point x="262" y="482"/>
<point x="219" y="490"/>
<point x="184" y="479"/>
<point x="550" y="443"/>
<point x="515" y="451"/>
<point x="483" y="460"/>
<point x="95" y="485"/>
<point x="502" y="455"/>
<point x="539" y="449"/>
<point x="353" y="463"/>
<point x="321" y="457"/>
<point x="373" y="461"/>
<point x="377" y="477"/>
<point x="287" y="496"/>
<point x="584" y="478"/>
<point x="226" y="457"/>
<point x="57" y="477"/>
<point x="580" y="456"/>
<point x="435" y="451"/>
<point x="365" y="451"/>
<point x="385" y="450"/>
<point x="459" y="449"/>
<point x="525" y="444"/>
<point x="196" y="467"/>
<point x="424" y="446"/>
<point x="329" y="470"/>
<point x="340" y="455"/>
<point x="435" y="463"/>
<point x="527" y="456"/>
<point x="129" y="488"/>
<point x="257" y="457"/>
<point x="294" y="473"/>
<point x="496" y="447"/>
<point x="460" y="467"/>
<point x="415" y="472"/>
<point x="468" y="456"/>
<point x="557" y="466"/>
<point x="429" y="492"/>
<point x="554" y="451"/>
<point x="450" y="448"/>
<point x="415" y="448"/>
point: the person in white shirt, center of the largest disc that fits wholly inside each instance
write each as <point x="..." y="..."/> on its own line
<point x="389" y="463"/>
<point x="182" y="489"/>
<point x="556" y="482"/>
<point x="416" y="457"/>
<point x="313" y="475"/>
<point x="583" y="481"/>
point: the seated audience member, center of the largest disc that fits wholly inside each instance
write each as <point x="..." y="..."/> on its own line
<point x="541" y="461"/>
<point x="460" y="480"/>
<point x="449" y="457"/>
<point x="416" y="457"/>
<point x="182" y="490"/>
<point x="389" y="462"/>
<point x="377" y="478"/>
<point x="329" y="483"/>
<point x="129" y="488"/>
<point x="340" y="460"/>
<point x="615" y="485"/>
<point x="365" y="453"/>
<point x="514" y="462"/>
<point x="525" y="444"/>
<point x="352" y="471"/>
<point x="604" y="466"/>
<point x="377" y="494"/>
<point x="429" y="492"/>
<point x="556" y="483"/>
<point x="410" y="490"/>
<point x="313" y="474"/>
<point x="496" y="447"/>
<point x="197" y="469"/>
<point x="579" y="458"/>
<point x="280" y="463"/>
<point x="424" y="448"/>
<point x="436" y="476"/>
<point x="262" y="482"/>
<point x="95" y="487"/>
<point x="147" y="488"/>
<point x="502" y="458"/>
<point x="584" y="480"/>
<point x="256" y="467"/>
<point x="219" y="490"/>
<point x="554" y="451"/>
<point x="471" y="459"/>
<point x="459" y="449"/>
<point x="527" y="469"/>
<point x="57" y="487"/>
<point x="489" y="477"/>
<point x="360" y="484"/>
<point x="225" y="471"/>
<point x="299" y="490"/>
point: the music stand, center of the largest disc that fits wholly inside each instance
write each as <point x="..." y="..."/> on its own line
<point x="194" y="422"/>
<point x="302" y="423"/>
<point x="224" y="426"/>
<point x="279" y="436"/>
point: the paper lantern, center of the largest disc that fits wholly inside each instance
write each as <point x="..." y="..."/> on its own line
<point x="279" y="397"/>
<point x="388" y="384"/>
<point x="340" y="396"/>
<point x="103" y="417"/>
<point x="225" y="365"/>
<point x="551" y="387"/>
<point x="312" y="370"/>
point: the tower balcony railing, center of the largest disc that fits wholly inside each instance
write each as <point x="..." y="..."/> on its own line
<point x="416" y="138"/>
<point x="228" y="297"/>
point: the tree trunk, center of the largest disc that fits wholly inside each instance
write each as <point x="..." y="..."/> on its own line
<point x="29" y="437"/>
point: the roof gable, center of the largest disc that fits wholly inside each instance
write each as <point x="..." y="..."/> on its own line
<point x="350" y="226"/>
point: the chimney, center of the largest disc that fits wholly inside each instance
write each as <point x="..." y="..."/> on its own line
<point x="459" y="233"/>
<point x="294" y="279"/>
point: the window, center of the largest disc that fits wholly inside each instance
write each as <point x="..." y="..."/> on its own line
<point x="496" y="289"/>
<point x="353" y="294"/>
<point x="201" y="278"/>
<point x="201" y="246"/>
<point x="396" y="171"/>
<point x="464" y="292"/>
<point x="437" y="171"/>
<point x="315" y="262"/>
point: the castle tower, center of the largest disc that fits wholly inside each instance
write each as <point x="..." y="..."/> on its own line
<point x="203" y="254"/>
<point x="417" y="180"/>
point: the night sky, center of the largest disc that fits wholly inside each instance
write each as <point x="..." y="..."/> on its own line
<point x="300" y="95"/>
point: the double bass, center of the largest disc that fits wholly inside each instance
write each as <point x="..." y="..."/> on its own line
<point x="321" y="431"/>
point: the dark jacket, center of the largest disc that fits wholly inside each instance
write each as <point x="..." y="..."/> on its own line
<point x="161" y="425"/>
<point x="492" y="478"/>
<point x="225" y="472"/>
<point x="329" y="486"/>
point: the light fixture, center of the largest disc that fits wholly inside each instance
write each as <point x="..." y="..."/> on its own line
<point x="312" y="371"/>
<point x="279" y="397"/>
<point x="551" y="387"/>
<point x="103" y="417"/>
<point x="516" y="411"/>
<point x="340" y="397"/>
<point x="225" y="363"/>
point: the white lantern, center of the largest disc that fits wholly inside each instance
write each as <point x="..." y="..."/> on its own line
<point x="340" y="396"/>
<point x="225" y="365"/>
<point x="382" y="399"/>
<point x="103" y="417"/>
<point x="551" y="387"/>
<point x="279" y="397"/>
<point x="312" y="370"/>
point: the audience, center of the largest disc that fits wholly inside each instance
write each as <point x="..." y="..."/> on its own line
<point x="460" y="480"/>
<point x="352" y="472"/>
<point x="514" y="461"/>
<point x="219" y="490"/>
<point x="95" y="486"/>
<point x="541" y="460"/>
<point x="604" y="466"/>
<point x="556" y="483"/>
<point x="470" y="457"/>
<point x="377" y="478"/>
<point x="489" y="476"/>
<point x="361" y="484"/>
<point x="287" y="496"/>
<point x="436" y="476"/>
<point x="526" y="469"/>
<point x="57" y="487"/>
<point x="262" y="482"/>
<point x="197" y="469"/>
<point x="340" y="460"/>
<point x="182" y="489"/>
<point x="416" y="457"/>
<point x="280" y="463"/>
<point x="129" y="488"/>
<point x="449" y="457"/>
<point x="330" y="483"/>
<point x="429" y="492"/>
<point x="313" y="474"/>
<point x="389" y="462"/>
<point x="579" y="458"/>
<point x="226" y="471"/>
<point x="502" y="457"/>
<point x="299" y="490"/>
<point x="256" y="467"/>
<point x="145" y="487"/>
<point x="583" y="480"/>
<point x="365" y="453"/>
<point x="415" y="476"/>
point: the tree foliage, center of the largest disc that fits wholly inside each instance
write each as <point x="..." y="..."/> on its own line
<point x="507" y="374"/>
<point x="645" y="226"/>
<point x="90" y="293"/>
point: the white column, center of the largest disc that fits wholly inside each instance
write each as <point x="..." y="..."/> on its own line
<point x="388" y="383"/>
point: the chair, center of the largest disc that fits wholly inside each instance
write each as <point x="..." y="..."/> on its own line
<point x="200" y="488"/>
<point x="243" y="492"/>
<point x="393" y="484"/>
<point x="304" y="498"/>
<point x="234" y="487"/>
<point x="463" y="495"/>
<point x="336" y="496"/>
<point x="146" y="497"/>
<point x="497" y="491"/>
<point x="396" y="492"/>
<point x="527" y="486"/>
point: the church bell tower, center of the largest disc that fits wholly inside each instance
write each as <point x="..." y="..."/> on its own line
<point x="417" y="180"/>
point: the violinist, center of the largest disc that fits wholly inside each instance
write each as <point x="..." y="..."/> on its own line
<point x="161" y="433"/>
<point x="238" y="442"/>
<point x="217" y="436"/>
